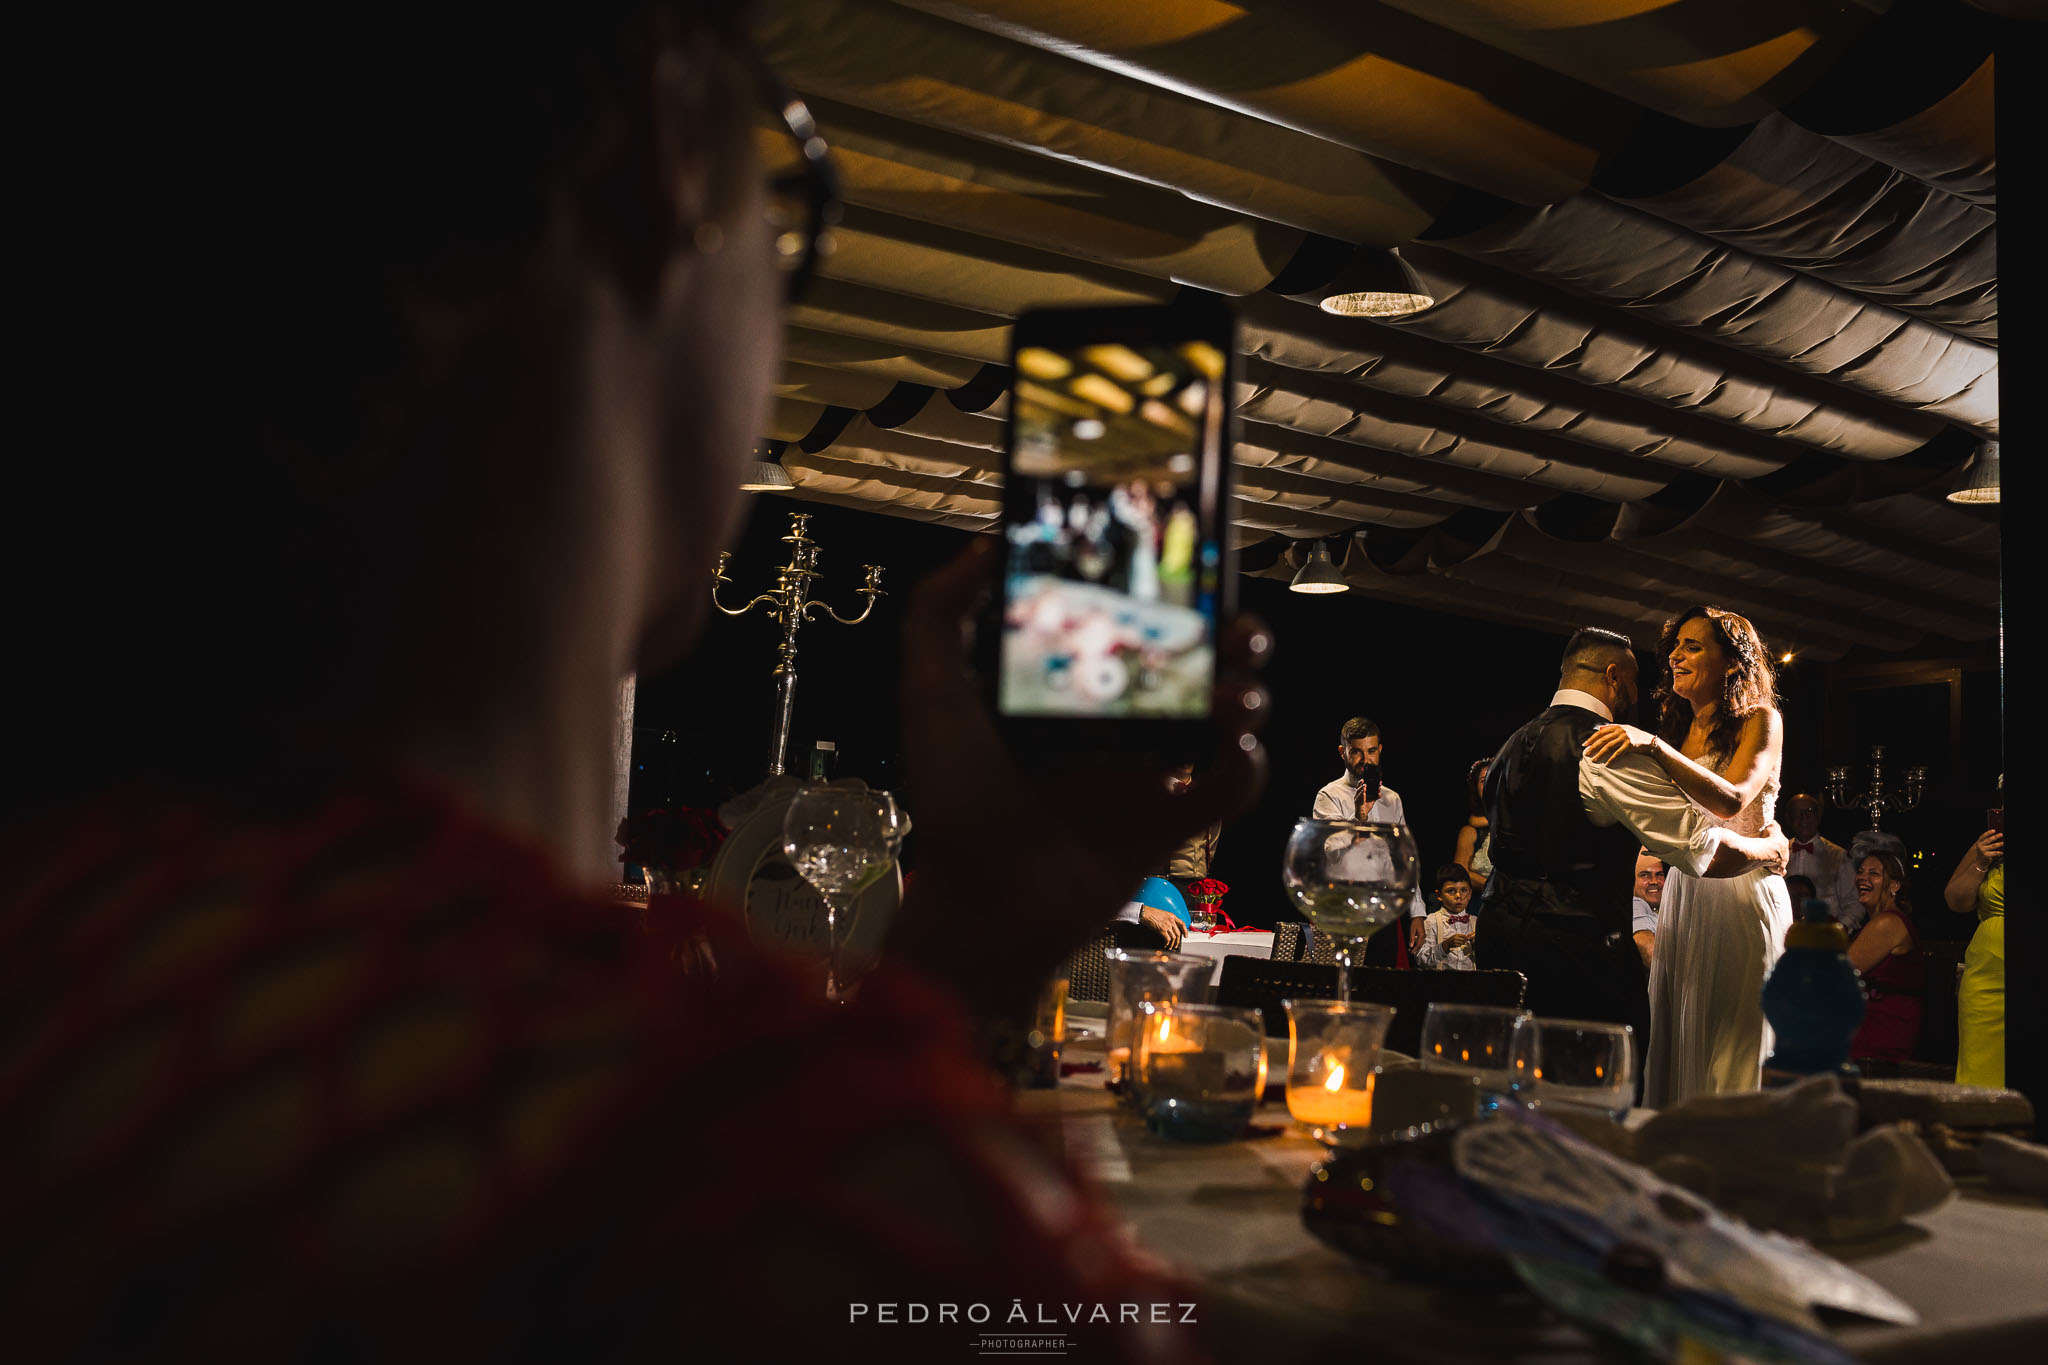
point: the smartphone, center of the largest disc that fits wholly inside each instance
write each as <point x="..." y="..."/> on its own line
<point x="1118" y="571"/>
<point x="1994" y="818"/>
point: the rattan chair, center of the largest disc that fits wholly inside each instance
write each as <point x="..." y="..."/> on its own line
<point x="1287" y="940"/>
<point x="1088" y="969"/>
<point x="1262" y="984"/>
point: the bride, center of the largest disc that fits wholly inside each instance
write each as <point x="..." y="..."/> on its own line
<point x="1720" y="741"/>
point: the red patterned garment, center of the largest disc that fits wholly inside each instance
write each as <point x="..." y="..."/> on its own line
<point x="369" y="1082"/>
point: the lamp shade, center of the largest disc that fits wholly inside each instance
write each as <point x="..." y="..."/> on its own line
<point x="766" y="474"/>
<point x="1319" y="574"/>
<point x="1376" y="284"/>
<point x="1980" y="477"/>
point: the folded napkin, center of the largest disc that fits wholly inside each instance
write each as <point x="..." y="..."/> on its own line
<point x="1790" y="1159"/>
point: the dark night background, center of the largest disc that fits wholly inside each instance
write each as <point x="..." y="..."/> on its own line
<point x="1444" y="689"/>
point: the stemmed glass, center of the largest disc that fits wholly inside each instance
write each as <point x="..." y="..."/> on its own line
<point x="1349" y="878"/>
<point x="842" y="841"/>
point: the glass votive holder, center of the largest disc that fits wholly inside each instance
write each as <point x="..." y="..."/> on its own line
<point x="1138" y="977"/>
<point x="1496" y="1043"/>
<point x="1333" y="1059"/>
<point x="1196" y="1069"/>
<point x="1047" y="1035"/>
<point x="1587" y="1065"/>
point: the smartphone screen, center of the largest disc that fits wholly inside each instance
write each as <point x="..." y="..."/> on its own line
<point x="1115" y="578"/>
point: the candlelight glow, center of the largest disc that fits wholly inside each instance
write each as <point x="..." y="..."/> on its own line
<point x="1336" y="1078"/>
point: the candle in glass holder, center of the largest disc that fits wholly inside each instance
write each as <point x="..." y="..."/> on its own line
<point x="1139" y="978"/>
<point x="1333" y="1104"/>
<point x="1195" y="1070"/>
<point x="1333" y="1063"/>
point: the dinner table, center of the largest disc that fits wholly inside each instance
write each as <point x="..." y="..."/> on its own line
<point x="1229" y="1216"/>
<point x="1238" y="943"/>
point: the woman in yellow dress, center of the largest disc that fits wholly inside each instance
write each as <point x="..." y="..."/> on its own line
<point x="1979" y="884"/>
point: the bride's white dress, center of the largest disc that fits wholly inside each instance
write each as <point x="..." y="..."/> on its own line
<point x="1717" y="938"/>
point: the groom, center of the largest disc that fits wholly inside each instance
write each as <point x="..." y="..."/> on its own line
<point x="1565" y="832"/>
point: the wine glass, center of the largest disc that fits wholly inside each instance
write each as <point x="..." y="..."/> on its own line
<point x="1349" y="878"/>
<point x="842" y="841"/>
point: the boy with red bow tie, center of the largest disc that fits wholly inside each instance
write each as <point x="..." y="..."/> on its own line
<point x="1447" y="933"/>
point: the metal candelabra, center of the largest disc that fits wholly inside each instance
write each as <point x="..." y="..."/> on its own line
<point x="1877" y="800"/>
<point x="790" y="604"/>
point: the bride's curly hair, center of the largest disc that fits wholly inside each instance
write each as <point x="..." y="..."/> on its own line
<point x="1750" y="684"/>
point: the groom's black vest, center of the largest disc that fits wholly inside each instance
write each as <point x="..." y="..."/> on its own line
<point x="1547" y="855"/>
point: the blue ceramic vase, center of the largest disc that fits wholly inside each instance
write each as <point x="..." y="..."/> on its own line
<point x="1813" y="998"/>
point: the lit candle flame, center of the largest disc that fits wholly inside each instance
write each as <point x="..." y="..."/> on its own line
<point x="1335" y="1081"/>
<point x="1465" y="1054"/>
<point x="1165" y="1027"/>
<point x="1599" y="1072"/>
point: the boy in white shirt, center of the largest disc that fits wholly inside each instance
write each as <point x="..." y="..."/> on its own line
<point x="1447" y="933"/>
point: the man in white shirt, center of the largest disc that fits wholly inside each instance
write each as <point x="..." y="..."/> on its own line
<point x="1565" y="832"/>
<point x="1650" y="872"/>
<point x="1360" y="795"/>
<point x="1821" y="861"/>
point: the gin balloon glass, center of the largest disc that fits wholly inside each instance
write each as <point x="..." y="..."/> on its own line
<point x="1350" y="879"/>
<point x="842" y="841"/>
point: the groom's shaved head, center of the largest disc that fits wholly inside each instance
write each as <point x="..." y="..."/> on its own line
<point x="1592" y="649"/>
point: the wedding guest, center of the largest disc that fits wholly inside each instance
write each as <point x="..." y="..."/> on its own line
<point x="316" y="1043"/>
<point x="1360" y="795"/>
<point x="1471" y="852"/>
<point x="1978" y="885"/>
<point x="1824" y="862"/>
<point x="1190" y="862"/>
<point x="1887" y="954"/>
<point x="1801" y="889"/>
<point x="1650" y="872"/>
<point x="1447" y="932"/>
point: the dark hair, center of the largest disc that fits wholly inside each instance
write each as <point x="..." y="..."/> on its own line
<point x="357" y="215"/>
<point x="1750" y="685"/>
<point x="1588" y="642"/>
<point x="1358" y="727"/>
<point x="1812" y="892"/>
<point x="1449" y="874"/>
<point x="1895" y="872"/>
<point x="1474" y="777"/>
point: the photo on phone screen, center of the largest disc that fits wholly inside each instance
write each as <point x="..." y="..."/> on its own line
<point x="1114" y="557"/>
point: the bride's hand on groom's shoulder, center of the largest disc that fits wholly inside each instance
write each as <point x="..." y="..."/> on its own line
<point x="1610" y="742"/>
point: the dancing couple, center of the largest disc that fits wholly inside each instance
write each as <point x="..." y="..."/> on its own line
<point x="1574" y="793"/>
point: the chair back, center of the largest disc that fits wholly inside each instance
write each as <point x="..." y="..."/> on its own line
<point x="1322" y="947"/>
<point x="1262" y="984"/>
<point x="1287" y="940"/>
<point x="1088" y="969"/>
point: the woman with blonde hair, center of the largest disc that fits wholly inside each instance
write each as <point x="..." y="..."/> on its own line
<point x="1720" y="740"/>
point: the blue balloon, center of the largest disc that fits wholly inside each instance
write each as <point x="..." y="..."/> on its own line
<point x="1162" y="894"/>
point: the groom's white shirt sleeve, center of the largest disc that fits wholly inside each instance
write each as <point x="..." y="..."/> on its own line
<point x="1634" y="791"/>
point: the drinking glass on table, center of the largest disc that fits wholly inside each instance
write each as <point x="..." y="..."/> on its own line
<point x="1197" y="1071"/>
<point x="842" y="841"/>
<point x="1585" y="1064"/>
<point x="1495" y="1043"/>
<point x="1137" y="978"/>
<point x="1350" y="879"/>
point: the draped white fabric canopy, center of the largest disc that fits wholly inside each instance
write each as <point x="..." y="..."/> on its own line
<point x="1715" y="281"/>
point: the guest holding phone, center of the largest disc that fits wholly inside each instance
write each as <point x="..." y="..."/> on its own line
<point x="1978" y="884"/>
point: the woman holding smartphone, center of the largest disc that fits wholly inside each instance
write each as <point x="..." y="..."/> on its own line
<point x="1978" y="884"/>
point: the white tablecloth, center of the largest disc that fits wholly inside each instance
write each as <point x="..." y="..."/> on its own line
<point x="1247" y="943"/>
